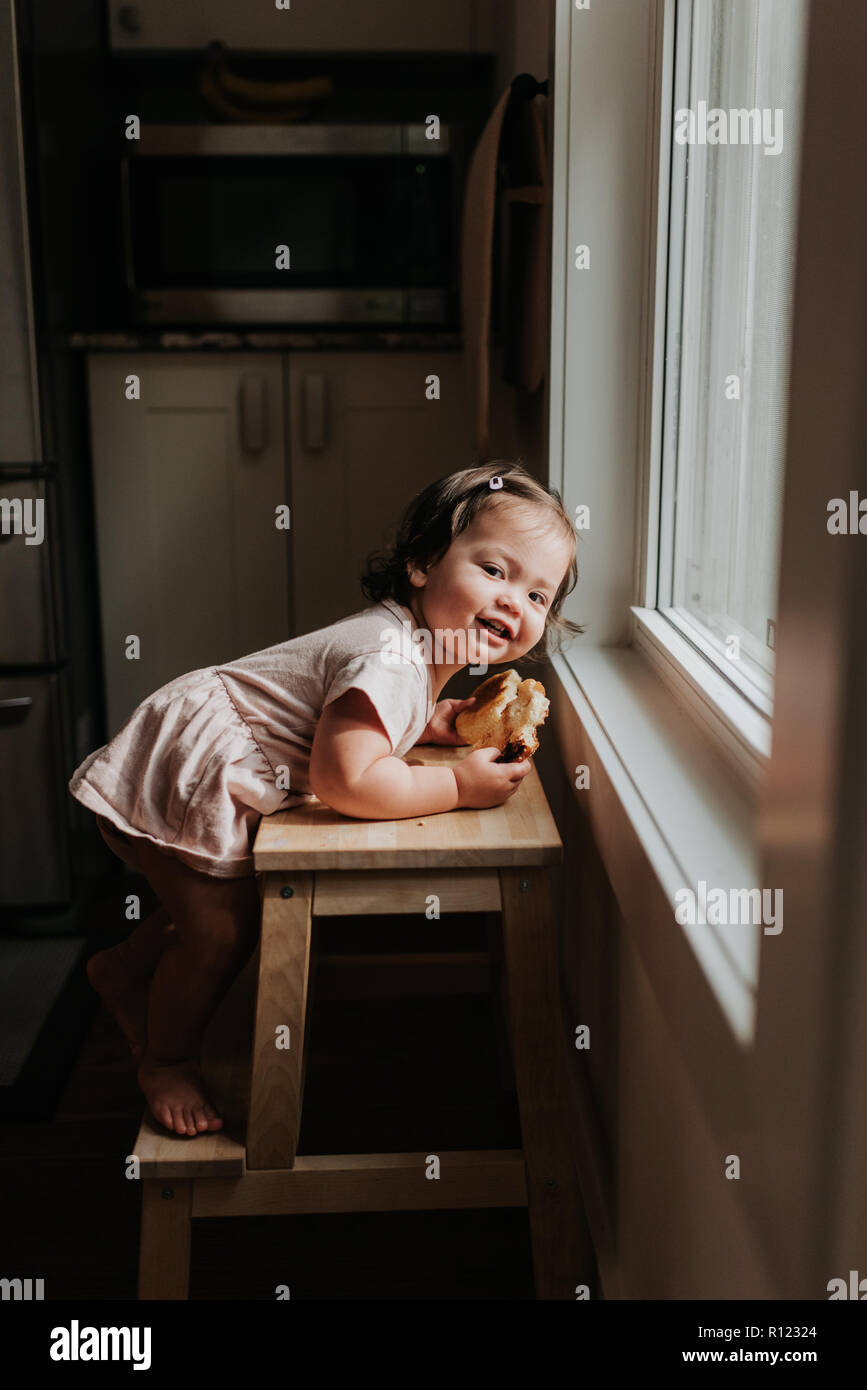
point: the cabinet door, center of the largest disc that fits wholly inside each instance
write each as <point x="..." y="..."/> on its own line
<point x="364" y="441"/>
<point x="27" y="575"/>
<point x="321" y="25"/>
<point x="187" y="480"/>
<point x="34" y="848"/>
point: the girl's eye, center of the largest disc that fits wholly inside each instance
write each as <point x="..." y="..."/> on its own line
<point x="499" y="571"/>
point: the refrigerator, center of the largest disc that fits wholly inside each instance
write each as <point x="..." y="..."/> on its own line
<point x="36" y="749"/>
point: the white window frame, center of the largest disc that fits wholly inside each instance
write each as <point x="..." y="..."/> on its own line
<point x="782" y="1077"/>
<point x="733" y="710"/>
<point x="691" y="786"/>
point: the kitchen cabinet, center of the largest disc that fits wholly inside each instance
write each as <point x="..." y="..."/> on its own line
<point x="364" y="440"/>
<point x="327" y="26"/>
<point x="187" y="480"/>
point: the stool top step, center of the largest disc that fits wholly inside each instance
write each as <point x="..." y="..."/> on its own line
<point x="313" y="836"/>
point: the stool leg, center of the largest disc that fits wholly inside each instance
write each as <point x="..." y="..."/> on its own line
<point x="166" y="1228"/>
<point x="562" y="1250"/>
<point x="277" y="1079"/>
<point x="311" y="993"/>
<point x="505" y="1067"/>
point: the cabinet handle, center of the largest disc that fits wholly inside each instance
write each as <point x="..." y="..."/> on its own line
<point x="314" y="406"/>
<point x="13" y="711"/>
<point x="253" y="413"/>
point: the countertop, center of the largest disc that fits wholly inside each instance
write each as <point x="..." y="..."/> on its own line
<point x="268" y="340"/>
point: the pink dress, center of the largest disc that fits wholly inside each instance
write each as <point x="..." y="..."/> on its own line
<point x="199" y="762"/>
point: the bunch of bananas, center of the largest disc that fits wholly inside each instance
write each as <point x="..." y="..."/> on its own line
<point x="242" y="99"/>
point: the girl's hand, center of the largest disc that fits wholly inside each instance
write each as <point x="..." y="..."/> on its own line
<point x="441" y="728"/>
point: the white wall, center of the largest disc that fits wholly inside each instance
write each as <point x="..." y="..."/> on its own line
<point x="666" y="1222"/>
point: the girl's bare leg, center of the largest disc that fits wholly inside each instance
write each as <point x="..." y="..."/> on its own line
<point x="143" y="947"/>
<point x="121" y="976"/>
<point x="216" y="924"/>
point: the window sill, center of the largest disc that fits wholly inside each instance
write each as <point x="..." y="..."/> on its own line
<point x="741" y="733"/>
<point x="679" y="816"/>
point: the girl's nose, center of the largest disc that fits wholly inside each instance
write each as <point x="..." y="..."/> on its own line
<point x="512" y="605"/>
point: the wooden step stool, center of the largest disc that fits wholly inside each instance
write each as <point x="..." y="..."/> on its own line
<point x="318" y="863"/>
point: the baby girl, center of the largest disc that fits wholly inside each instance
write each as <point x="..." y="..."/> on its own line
<point x="181" y="788"/>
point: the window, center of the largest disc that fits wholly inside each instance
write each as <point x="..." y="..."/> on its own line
<point x="735" y="149"/>
<point x="669" y="401"/>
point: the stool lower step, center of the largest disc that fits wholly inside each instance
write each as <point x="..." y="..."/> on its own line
<point x="370" y="1182"/>
<point x="318" y="1184"/>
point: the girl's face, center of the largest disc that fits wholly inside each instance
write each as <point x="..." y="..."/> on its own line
<point x="507" y="567"/>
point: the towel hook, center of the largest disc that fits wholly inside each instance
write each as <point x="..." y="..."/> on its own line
<point x="526" y="86"/>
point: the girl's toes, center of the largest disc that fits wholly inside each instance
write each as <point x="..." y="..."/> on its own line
<point x="189" y="1122"/>
<point x="179" y="1124"/>
<point x="201" y="1122"/>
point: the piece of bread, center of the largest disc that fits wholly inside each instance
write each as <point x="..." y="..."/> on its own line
<point x="507" y="713"/>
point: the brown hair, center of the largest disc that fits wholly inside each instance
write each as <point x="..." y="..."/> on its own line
<point x="446" y="508"/>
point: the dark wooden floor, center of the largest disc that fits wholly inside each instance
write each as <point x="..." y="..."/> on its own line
<point x="421" y="1074"/>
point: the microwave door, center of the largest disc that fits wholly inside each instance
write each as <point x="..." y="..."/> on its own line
<point x="267" y="235"/>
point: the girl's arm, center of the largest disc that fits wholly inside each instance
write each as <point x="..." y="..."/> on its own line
<point x="441" y="728"/>
<point x="352" y="768"/>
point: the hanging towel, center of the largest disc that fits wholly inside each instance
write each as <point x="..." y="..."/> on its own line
<point x="513" y="144"/>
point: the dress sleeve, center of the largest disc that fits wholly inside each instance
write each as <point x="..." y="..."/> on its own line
<point x="397" y="691"/>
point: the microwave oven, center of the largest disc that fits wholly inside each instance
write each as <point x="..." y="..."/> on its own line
<point x="311" y="224"/>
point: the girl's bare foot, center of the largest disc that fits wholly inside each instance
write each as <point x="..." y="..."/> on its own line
<point x="124" y="992"/>
<point x="177" y="1098"/>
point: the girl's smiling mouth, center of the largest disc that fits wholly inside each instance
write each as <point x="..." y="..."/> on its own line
<point x="487" y="625"/>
